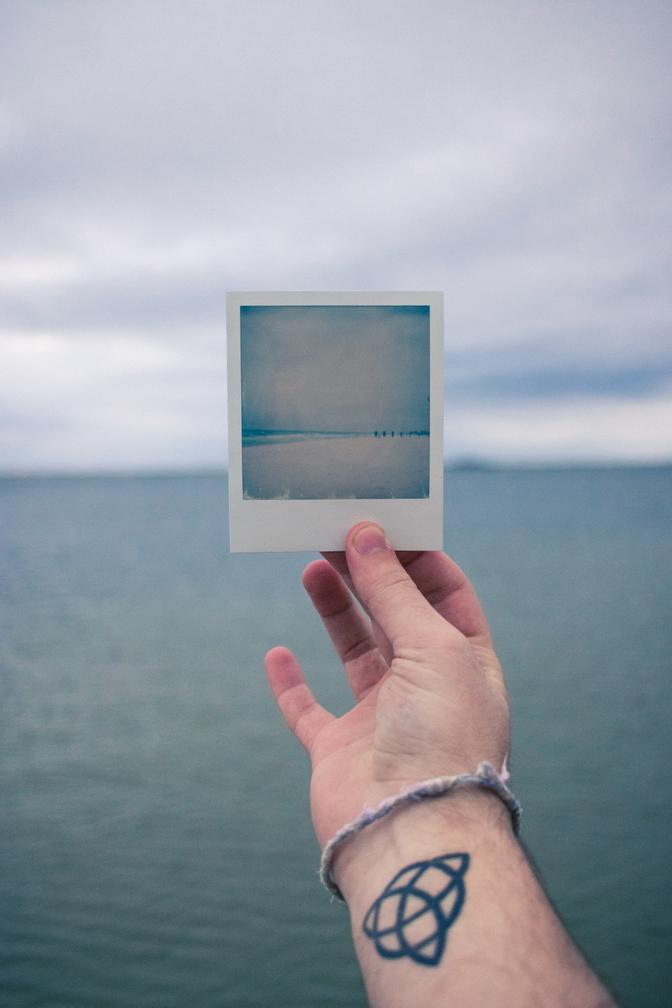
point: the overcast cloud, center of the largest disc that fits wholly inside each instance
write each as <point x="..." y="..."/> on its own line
<point x="154" y="155"/>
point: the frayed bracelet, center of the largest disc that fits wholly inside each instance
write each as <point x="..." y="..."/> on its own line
<point x="485" y="776"/>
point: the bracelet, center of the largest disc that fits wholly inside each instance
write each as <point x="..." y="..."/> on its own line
<point x="485" y="776"/>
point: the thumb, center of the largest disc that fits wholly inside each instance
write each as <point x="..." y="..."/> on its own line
<point x="387" y="591"/>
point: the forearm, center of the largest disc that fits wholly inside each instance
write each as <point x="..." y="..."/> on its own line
<point x="492" y="939"/>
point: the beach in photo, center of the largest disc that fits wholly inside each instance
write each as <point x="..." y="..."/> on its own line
<point x="322" y="467"/>
<point x="335" y="402"/>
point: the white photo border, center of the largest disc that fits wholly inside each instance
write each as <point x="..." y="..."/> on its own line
<point x="299" y="525"/>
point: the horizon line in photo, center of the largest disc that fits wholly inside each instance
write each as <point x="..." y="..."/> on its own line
<point x="378" y="432"/>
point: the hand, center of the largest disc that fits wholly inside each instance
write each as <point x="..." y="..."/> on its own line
<point x="430" y="701"/>
<point x="430" y="698"/>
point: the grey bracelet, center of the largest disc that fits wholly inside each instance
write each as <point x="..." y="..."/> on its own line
<point x="485" y="776"/>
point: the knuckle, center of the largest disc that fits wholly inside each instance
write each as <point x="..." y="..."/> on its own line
<point x="357" y="649"/>
<point x="390" y="583"/>
<point x="299" y="719"/>
<point x="438" y="642"/>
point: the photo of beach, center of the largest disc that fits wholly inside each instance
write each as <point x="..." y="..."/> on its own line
<point x="335" y="401"/>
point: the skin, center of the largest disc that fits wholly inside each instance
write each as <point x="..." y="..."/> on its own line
<point x="429" y="700"/>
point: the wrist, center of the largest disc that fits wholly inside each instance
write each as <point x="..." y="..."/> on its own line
<point x="501" y="927"/>
<point x="469" y="818"/>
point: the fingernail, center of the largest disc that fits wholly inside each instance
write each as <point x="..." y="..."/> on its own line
<point x="370" y="539"/>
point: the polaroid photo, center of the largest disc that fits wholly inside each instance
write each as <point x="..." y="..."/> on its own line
<point x="335" y="417"/>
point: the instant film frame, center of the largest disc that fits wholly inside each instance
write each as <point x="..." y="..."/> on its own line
<point x="335" y="417"/>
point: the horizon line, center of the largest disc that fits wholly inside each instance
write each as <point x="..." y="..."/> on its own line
<point x="458" y="464"/>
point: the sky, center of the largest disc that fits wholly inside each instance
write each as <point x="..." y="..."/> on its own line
<point x="354" y="369"/>
<point x="154" y="155"/>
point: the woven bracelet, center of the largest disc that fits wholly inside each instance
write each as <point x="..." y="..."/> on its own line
<point x="485" y="777"/>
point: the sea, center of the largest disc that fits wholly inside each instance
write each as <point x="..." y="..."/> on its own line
<point x="156" y="849"/>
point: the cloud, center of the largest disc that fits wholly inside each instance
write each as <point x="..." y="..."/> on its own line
<point x="155" y="155"/>
<point x="580" y="429"/>
<point x="124" y="402"/>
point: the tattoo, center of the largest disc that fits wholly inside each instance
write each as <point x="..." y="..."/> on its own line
<point x="412" y="915"/>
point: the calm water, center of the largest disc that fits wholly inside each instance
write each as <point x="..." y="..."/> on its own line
<point x="156" y="848"/>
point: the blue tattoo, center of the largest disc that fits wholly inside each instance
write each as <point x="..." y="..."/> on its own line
<point x="412" y="915"/>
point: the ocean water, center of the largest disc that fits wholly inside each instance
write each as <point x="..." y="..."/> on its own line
<point x="156" y="847"/>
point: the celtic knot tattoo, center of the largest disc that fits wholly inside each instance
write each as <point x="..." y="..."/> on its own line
<point x="412" y="915"/>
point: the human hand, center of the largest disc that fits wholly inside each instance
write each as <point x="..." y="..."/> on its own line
<point x="430" y="701"/>
<point x="429" y="691"/>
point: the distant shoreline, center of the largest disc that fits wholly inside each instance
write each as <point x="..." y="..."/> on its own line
<point x="452" y="466"/>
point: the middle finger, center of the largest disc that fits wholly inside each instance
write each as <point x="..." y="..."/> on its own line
<point x="350" y="631"/>
<point x="338" y="562"/>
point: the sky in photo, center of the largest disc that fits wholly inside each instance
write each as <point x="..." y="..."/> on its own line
<point x="357" y="369"/>
<point x="155" y="155"/>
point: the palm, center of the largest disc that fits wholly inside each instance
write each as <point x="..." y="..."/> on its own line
<point x="342" y="767"/>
